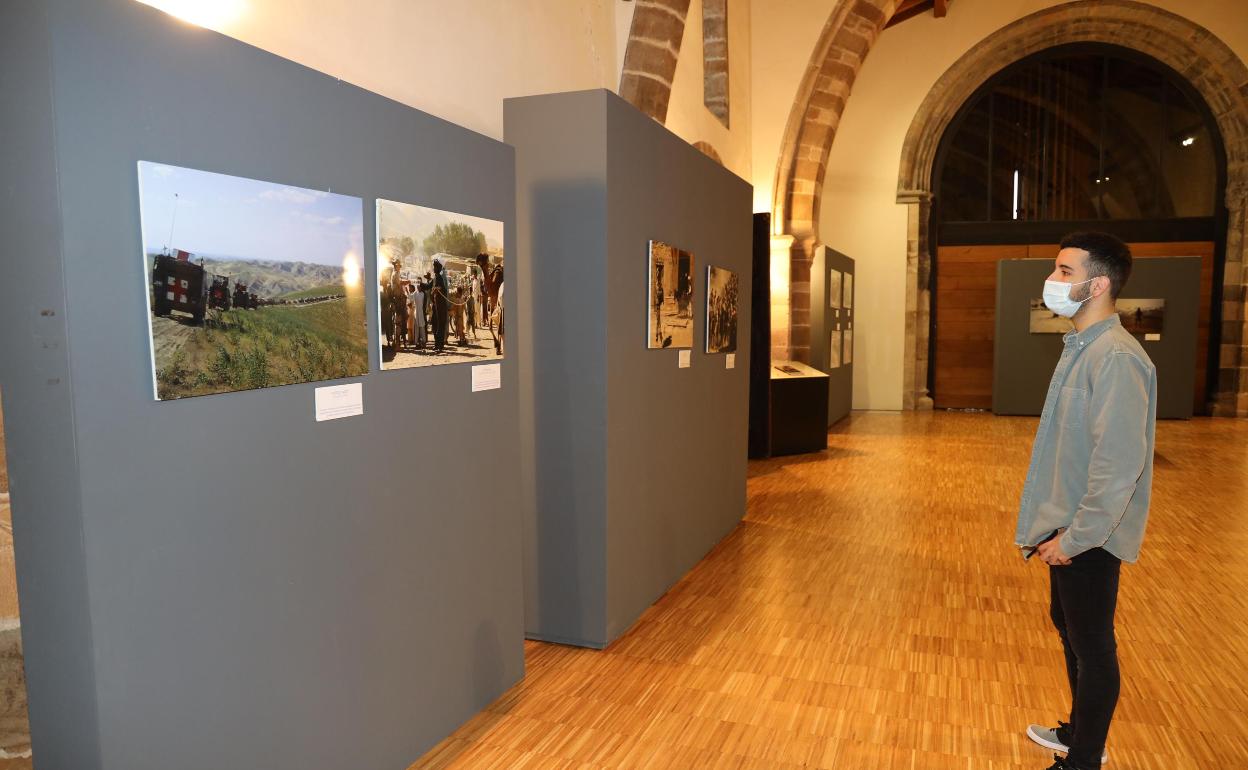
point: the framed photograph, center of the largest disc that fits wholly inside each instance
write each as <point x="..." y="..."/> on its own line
<point x="847" y="357"/>
<point x="670" y="306"/>
<point x="848" y="301"/>
<point x="1045" y="321"/>
<point x="1142" y="316"/>
<point x="834" y="288"/>
<point x="249" y="284"/>
<point x="440" y="298"/>
<point x="834" y="350"/>
<point x="721" y="310"/>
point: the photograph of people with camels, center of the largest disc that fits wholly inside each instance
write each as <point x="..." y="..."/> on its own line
<point x="440" y="298"/>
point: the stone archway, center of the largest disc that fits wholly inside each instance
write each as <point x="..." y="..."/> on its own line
<point x="851" y="29"/>
<point x="1194" y="52"/>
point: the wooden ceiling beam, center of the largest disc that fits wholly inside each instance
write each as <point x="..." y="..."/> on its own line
<point x="908" y="9"/>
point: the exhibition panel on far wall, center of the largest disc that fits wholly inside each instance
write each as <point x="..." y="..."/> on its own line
<point x="441" y="294"/>
<point x="250" y="284"/>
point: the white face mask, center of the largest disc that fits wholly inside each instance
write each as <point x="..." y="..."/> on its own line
<point x="1057" y="297"/>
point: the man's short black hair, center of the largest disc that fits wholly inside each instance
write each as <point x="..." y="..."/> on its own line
<point x="1107" y="256"/>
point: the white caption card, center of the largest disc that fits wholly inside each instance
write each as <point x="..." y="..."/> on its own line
<point x="487" y="377"/>
<point x="335" y="401"/>
<point x="685" y="357"/>
<point x="1152" y="338"/>
<point x="730" y="361"/>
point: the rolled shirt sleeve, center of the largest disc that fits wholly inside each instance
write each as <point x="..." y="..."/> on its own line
<point x="1119" y="416"/>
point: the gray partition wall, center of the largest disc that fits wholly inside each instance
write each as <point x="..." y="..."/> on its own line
<point x="829" y="315"/>
<point x="639" y="465"/>
<point x="1023" y="362"/>
<point x="222" y="581"/>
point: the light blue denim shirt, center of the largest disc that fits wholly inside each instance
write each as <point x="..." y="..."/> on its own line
<point x="1092" y="461"/>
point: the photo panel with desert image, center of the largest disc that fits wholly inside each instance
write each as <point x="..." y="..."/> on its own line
<point x="1045" y="321"/>
<point x="250" y="284"/>
<point x="834" y="349"/>
<point x="441" y="293"/>
<point x="848" y="300"/>
<point x="722" y="286"/>
<point x="847" y="349"/>
<point x="834" y="288"/>
<point x="1142" y="316"/>
<point x="670" y="307"/>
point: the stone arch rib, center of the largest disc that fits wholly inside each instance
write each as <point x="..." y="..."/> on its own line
<point x="707" y="149"/>
<point x="851" y="29"/>
<point x="650" y="58"/>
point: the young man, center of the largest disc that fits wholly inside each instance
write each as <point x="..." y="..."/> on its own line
<point x="1086" y="498"/>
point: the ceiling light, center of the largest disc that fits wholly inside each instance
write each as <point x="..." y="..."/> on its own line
<point x="1189" y="141"/>
<point x="212" y="14"/>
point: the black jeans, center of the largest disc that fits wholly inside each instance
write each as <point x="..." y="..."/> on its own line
<point x="1083" y="597"/>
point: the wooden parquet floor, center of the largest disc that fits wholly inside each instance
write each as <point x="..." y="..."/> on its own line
<point x="871" y="612"/>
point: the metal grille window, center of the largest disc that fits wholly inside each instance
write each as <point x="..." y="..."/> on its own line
<point x="1079" y="135"/>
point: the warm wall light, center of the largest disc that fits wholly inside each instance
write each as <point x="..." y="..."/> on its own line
<point x="213" y="14"/>
<point x="1189" y="141"/>
<point x="351" y="271"/>
<point x="781" y="255"/>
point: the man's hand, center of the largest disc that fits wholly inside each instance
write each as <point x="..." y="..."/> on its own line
<point x="1050" y="552"/>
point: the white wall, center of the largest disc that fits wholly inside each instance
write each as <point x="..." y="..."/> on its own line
<point x="457" y="60"/>
<point x="860" y="215"/>
<point x="783" y="36"/>
<point x="687" y="114"/>
<point x="460" y="60"/>
<point x="624" y="10"/>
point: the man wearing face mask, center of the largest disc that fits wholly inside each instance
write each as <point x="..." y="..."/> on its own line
<point x="1086" y="498"/>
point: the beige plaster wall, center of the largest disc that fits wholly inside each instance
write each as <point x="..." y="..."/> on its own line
<point x="687" y="115"/>
<point x="783" y="35"/>
<point x="457" y="60"/>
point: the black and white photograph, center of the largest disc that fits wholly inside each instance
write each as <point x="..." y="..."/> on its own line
<point x="847" y="356"/>
<point x="721" y="310"/>
<point x="834" y="288"/>
<point x="670" y="323"/>
<point x="834" y="350"/>
<point x="1142" y="316"/>
<point x="441" y="292"/>
<point x="250" y="284"/>
<point x="847" y="301"/>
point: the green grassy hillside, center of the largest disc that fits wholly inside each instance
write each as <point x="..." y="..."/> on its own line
<point x="319" y="291"/>
<point x="243" y="349"/>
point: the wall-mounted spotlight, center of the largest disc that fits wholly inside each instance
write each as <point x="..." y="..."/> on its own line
<point x="213" y="14"/>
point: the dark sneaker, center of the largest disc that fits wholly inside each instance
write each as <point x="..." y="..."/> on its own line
<point x="1055" y="738"/>
<point x="1061" y="763"/>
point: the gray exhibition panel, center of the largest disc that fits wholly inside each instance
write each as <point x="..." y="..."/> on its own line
<point x="826" y="320"/>
<point x="640" y="465"/>
<point x="222" y="581"/>
<point x="1023" y="362"/>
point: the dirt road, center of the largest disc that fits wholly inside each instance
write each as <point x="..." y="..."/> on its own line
<point x="168" y="336"/>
